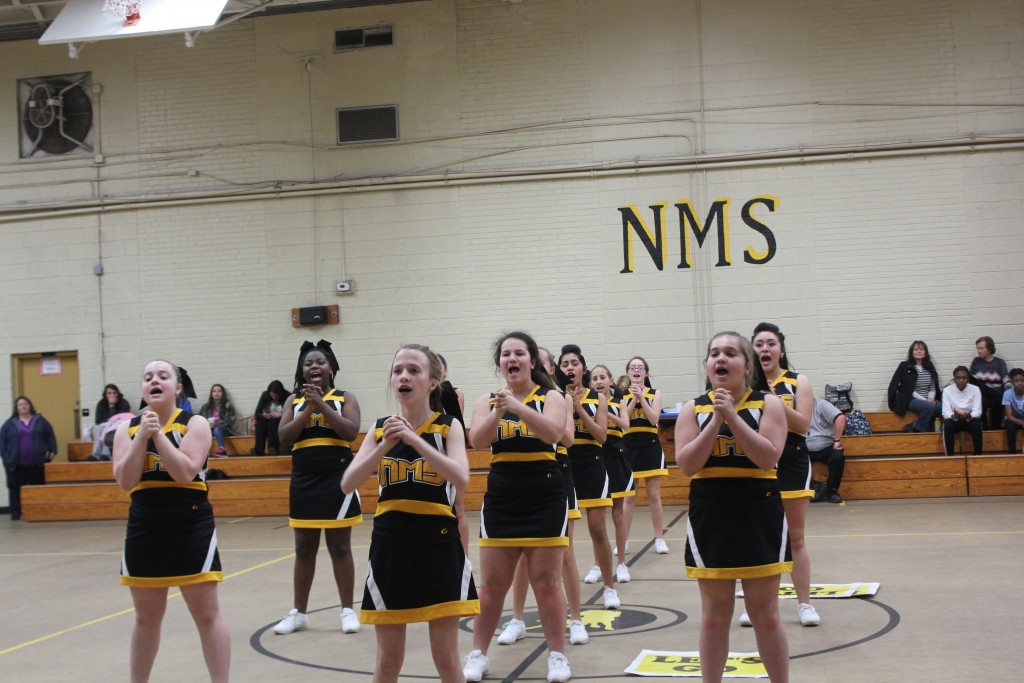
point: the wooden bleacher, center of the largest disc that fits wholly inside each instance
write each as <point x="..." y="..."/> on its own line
<point x="887" y="464"/>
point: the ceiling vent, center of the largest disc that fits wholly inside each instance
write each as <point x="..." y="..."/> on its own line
<point x="360" y="38"/>
<point x="56" y="115"/>
<point x="368" y="124"/>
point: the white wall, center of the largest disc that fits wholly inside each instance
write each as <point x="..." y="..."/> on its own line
<point x="873" y="251"/>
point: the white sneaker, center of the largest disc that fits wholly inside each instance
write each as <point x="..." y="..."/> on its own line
<point x="745" y="619"/>
<point x="578" y="633"/>
<point x="622" y="573"/>
<point x="808" y="615"/>
<point x="295" y="621"/>
<point x="511" y="632"/>
<point x="349" y="621"/>
<point x="475" y="666"/>
<point x="593" y="576"/>
<point x="558" y="668"/>
<point x="660" y="546"/>
<point x="611" y="598"/>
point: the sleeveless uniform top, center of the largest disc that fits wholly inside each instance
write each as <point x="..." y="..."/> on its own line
<point x="727" y="458"/>
<point x="785" y="388"/>
<point x="408" y="484"/>
<point x="641" y="432"/>
<point x="516" y="445"/>
<point x="584" y="445"/>
<point x="318" y="448"/>
<point x="614" y="431"/>
<point x="153" y="473"/>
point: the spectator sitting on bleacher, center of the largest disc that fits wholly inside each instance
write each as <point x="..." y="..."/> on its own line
<point x="221" y="416"/>
<point x="988" y="373"/>
<point x="961" y="408"/>
<point x="915" y="388"/>
<point x="112" y="403"/>
<point x="1013" y="402"/>
<point x="268" y="418"/>
<point x="825" y="444"/>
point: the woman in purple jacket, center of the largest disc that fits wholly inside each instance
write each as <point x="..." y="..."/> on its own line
<point x="27" y="442"/>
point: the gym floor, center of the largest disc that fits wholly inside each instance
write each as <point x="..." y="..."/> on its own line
<point x="949" y="607"/>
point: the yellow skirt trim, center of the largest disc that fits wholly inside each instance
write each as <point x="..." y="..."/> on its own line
<point x="171" y="581"/>
<point x="324" y="523"/>
<point x="456" y="608"/>
<point x="757" y="572"/>
<point x="800" y="493"/>
<point x="650" y="473"/>
<point x="623" y="494"/>
<point x="575" y="514"/>
<point x="524" y="542"/>
<point x="595" y="503"/>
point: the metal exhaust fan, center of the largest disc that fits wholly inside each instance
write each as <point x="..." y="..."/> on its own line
<point x="56" y="115"/>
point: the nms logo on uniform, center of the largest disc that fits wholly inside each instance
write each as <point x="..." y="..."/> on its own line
<point x="655" y="240"/>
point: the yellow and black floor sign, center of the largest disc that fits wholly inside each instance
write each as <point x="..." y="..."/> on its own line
<point x="664" y="663"/>
<point x="858" y="589"/>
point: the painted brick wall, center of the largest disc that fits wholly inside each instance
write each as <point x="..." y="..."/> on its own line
<point x="872" y="253"/>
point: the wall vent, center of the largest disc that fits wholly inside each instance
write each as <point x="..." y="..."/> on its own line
<point x="360" y="38"/>
<point x="56" y="116"/>
<point x="368" y="124"/>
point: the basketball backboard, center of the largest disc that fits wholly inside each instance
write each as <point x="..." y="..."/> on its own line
<point x="84" y="21"/>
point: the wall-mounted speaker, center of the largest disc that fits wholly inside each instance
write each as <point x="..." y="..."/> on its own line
<point x="315" y="315"/>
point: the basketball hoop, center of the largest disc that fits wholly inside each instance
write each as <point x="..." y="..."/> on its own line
<point x="126" y="10"/>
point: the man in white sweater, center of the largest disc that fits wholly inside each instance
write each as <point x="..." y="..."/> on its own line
<point x="961" y="410"/>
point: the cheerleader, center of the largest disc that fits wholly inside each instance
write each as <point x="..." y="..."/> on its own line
<point x="419" y="456"/>
<point x="525" y="506"/>
<point x="642" y="405"/>
<point x="593" y="494"/>
<point x="729" y="441"/>
<point x="795" y="465"/>
<point x="319" y="423"/>
<point x="620" y="476"/>
<point x="515" y="628"/>
<point x="160" y="456"/>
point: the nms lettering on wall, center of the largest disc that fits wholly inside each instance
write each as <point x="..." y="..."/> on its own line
<point x="655" y="239"/>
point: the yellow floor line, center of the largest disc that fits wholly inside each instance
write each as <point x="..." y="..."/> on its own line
<point x="130" y="610"/>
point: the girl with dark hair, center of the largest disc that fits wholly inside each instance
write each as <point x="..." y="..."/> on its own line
<point x="642" y="446"/>
<point x="268" y="418"/>
<point x="112" y="403"/>
<point x="729" y="441"/>
<point x="915" y="388"/>
<point x="620" y="476"/>
<point x="593" y="491"/>
<point x="161" y="456"/>
<point x="27" y="443"/>
<point x="419" y="456"/>
<point x="515" y="628"/>
<point x="794" y="467"/>
<point x="989" y="374"/>
<point x="525" y="506"/>
<point x="221" y="416"/>
<point x="320" y="422"/>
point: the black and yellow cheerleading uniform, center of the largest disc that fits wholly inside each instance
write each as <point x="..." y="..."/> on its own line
<point x="795" y="463"/>
<point x="171" y="538"/>
<point x="641" y="443"/>
<point x="319" y="459"/>
<point x="526" y="503"/>
<point x="587" y="458"/>
<point x="415" y="523"/>
<point x="736" y="526"/>
<point x="620" y="474"/>
<point x="562" y="456"/>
